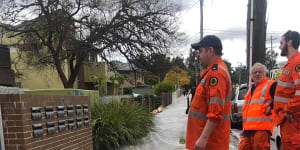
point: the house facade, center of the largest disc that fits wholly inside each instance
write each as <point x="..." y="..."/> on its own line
<point x="134" y="76"/>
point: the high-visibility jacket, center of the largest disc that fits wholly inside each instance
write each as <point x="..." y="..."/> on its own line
<point x="287" y="98"/>
<point x="287" y="95"/>
<point x="254" y="117"/>
<point x="211" y="101"/>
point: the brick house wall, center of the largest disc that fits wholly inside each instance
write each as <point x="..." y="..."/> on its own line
<point x="18" y="123"/>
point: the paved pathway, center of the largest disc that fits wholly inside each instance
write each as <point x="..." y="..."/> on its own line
<point x="170" y="127"/>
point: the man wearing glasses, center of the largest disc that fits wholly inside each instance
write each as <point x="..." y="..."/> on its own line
<point x="257" y="117"/>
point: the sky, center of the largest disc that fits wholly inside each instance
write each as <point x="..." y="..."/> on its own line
<point x="227" y="19"/>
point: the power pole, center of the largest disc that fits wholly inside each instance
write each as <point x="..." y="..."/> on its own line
<point x="271" y="43"/>
<point x="256" y="32"/>
<point x="271" y="62"/>
<point x="201" y="37"/>
<point x="257" y="17"/>
<point x="271" y="40"/>
<point x="201" y="19"/>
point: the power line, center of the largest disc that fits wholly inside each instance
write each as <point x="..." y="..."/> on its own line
<point x="235" y="31"/>
<point x="191" y="8"/>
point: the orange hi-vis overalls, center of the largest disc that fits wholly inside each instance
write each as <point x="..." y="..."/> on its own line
<point x="211" y="101"/>
<point x="287" y="100"/>
<point x="254" y="117"/>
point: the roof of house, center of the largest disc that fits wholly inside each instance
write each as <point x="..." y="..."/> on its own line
<point x="120" y="66"/>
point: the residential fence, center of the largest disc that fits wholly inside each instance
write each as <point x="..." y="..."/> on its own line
<point x="146" y="91"/>
<point x="118" y="98"/>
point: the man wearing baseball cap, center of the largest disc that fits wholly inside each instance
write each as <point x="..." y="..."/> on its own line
<point x="208" y="126"/>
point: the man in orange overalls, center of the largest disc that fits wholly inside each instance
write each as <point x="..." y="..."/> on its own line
<point x="208" y="126"/>
<point x="257" y="118"/>
<point x="287" y="95"/>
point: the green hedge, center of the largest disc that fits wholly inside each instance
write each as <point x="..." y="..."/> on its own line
<point x="164" y="86"/>
<point x="119" y="123"/>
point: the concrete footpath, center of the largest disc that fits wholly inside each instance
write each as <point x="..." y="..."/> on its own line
<point x="170" y="127"/>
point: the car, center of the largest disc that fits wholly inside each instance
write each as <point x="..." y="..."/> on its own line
<point x="237" y="105"/>
<point x="276" y="139"/>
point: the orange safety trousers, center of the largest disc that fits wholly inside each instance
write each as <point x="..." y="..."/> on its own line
<point x="290" y="135"/>
<point x="259" y="141"/>
<point x="287" y="100"/>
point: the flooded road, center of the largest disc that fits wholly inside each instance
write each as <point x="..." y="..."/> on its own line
<point x="170" y="127"/>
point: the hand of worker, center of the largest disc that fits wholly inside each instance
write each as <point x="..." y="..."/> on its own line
<point x="200" y="143"/>
<point x="268" y="111"/>
<point x="289" y="117"/>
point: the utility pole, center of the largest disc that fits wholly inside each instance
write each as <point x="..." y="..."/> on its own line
<point x="240" y="72"/>
<point x="201" y="37"/>
<point x="256" y="32"/>
<point x="201" y="19"/>
<point x="272" y="41"/>
<point x="271" y="61"/>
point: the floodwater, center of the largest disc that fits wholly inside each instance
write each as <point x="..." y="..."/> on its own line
<point x="170" y="127"/>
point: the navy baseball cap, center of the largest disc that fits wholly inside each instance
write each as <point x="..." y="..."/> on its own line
<point x="209" y="40"/>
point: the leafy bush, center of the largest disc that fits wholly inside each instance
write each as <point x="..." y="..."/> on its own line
<point x="164" y="86"/>
<point x="157" y="101"/>
<point x="127" y="91"/>
<point x="119" y="123"/>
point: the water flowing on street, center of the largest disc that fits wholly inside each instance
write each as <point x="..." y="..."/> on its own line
<point x="170" y="127"/>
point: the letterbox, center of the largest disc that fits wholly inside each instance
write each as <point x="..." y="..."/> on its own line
<point x="85" y="109"/>
<point x="37" y="130"/>
<point x="36" y="113"/>
<point x="78" y="110"/>
<point x="70" y="110"/>
<point x="78" y="122"/>
<point x="60" y="111"/>
<point x="61" y="125"/>
<point x="71" y="123"/>
<point x="49" y="112"/>
<point x="86" y="120"/>
<point x="51" y="128"/>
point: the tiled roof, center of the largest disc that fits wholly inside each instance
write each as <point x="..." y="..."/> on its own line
<point x="120" y="66"/>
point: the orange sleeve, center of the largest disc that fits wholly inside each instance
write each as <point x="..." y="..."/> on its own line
<point x="217" y="94"/>
<point x="294" y="104"/>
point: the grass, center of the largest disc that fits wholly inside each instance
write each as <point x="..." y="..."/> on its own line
<point x="119" y="123"/>
<point x="182" y="140"/>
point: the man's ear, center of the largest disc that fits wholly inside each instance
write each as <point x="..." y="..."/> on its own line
<point x="289" y="43"/>
<point x="211" y="49"/>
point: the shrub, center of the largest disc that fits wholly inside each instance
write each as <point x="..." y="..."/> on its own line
<point x="119" y="123"/>
<point x="164" y="86"/>
<point x="157" y="101"/>
<point x="127" y="91"/>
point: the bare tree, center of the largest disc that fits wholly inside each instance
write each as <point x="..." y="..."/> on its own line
<point x="54" y="32"/>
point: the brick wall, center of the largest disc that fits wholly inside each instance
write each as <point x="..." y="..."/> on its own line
<point x="18" y="122"/>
